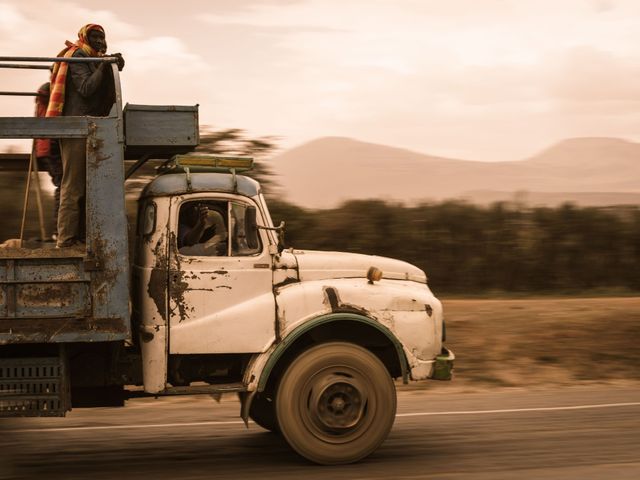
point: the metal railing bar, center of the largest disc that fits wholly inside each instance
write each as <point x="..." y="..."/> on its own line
<point x="46" y="282"/>
<point x="60" y="59"/>
<point x="23" y="94"/>
<point x="22" y="65"/>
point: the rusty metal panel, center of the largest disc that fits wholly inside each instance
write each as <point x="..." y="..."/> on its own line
<point x="60" y="330"/>
<point x="51" y="127"/>
<point x="43" y="287"/>
<point x="107" y="247"/>
<point x="52" y="299"/>
<point x="80" y="296"/>
<point x="163" y="130"/>
<point x="7" y="290"/>
<point x="49" y="269"/>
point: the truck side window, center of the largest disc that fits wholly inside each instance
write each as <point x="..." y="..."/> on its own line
<point x="147" y="219"/>
<point x="244" y="239"/>
<point x="208" y="228"/>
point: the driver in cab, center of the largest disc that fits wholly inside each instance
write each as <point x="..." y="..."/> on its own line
<point x="201" y="231"/>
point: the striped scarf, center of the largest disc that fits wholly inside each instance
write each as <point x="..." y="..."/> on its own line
<point x="60" y="69"/>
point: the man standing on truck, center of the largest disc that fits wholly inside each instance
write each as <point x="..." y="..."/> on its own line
<point x="48" y="150"/>
<point x="79" y="89"/>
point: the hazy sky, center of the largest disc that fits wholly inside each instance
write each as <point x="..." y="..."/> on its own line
<point x="473" y="79"/>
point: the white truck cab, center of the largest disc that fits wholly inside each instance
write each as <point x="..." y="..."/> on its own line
<point x="311" y="339"/>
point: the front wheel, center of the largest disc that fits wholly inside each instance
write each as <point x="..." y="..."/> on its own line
<point x="336" y="403"/>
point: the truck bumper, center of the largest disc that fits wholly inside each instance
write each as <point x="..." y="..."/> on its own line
<point x="443" y="367"/>
<point x="438" y="368"/>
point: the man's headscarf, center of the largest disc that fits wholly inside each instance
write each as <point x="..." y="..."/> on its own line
<point x="60" y="69"/>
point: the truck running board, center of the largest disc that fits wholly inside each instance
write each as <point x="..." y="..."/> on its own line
<point x="194" y="390"/>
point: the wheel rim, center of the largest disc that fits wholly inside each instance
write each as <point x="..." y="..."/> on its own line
<point x="337" y="404"/>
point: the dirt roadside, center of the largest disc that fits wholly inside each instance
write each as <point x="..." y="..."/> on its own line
<point x="542" y="342"/>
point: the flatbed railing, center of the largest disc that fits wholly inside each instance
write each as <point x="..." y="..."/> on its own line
<point x="94" y="305"/>
<point x="27" y="63"/>
<point x="52" y="127"/>
<point x="43" y="130"/>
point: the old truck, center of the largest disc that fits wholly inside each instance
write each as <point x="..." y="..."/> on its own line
<point x="310" y="341"/>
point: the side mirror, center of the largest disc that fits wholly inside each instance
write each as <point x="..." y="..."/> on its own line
<point x="280" y="231"/>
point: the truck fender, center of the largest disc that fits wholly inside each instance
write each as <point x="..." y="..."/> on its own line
<point x="262" y="365"/>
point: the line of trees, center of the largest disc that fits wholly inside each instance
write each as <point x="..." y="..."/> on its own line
<point x="466" y="248"/>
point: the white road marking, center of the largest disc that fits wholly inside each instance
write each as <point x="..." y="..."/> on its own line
<point x="516" y="410"/>
<point x="240" y="422"/>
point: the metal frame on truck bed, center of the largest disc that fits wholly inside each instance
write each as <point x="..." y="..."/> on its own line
<point x="79" y="295"/>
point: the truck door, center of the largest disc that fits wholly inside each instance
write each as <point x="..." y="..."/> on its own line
<point x="220" y="281"/>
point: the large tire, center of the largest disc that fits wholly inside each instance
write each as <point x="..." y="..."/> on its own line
<point x="336" y="403"/>
<point x="263" y="412"/>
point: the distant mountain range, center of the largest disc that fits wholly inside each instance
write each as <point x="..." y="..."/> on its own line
<point x="586" y="171"/>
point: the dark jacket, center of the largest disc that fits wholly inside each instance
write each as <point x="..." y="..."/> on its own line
<point x="89" y="89"/>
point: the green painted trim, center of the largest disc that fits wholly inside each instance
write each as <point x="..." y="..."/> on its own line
<point x="443" y="368"/>
<point x="322" y="320"/>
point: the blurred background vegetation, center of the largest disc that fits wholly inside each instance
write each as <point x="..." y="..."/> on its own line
<point x="507" y="247"/>
<point x="470" y="249"/>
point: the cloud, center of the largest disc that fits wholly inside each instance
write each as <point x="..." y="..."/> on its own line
<point x="164" y="54"/>
<point x="10" y="17"/>
<point x="39" y="29"/>
<point x="464" y="77"/>
<point x="36" y="28"/>
<point x="588" y="78"/>
<point x="163" y="70"/>
<point x="603" y="6"/>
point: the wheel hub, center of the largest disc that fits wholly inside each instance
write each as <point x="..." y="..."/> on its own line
<point x="339" y="403"/>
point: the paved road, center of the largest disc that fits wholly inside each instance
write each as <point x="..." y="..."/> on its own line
<point x="560" y="433"/>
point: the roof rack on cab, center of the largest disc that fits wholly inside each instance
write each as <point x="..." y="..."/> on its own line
<point x="202" y="162"/>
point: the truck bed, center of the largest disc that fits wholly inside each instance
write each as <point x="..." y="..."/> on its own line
<point x="51" y="295"/>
